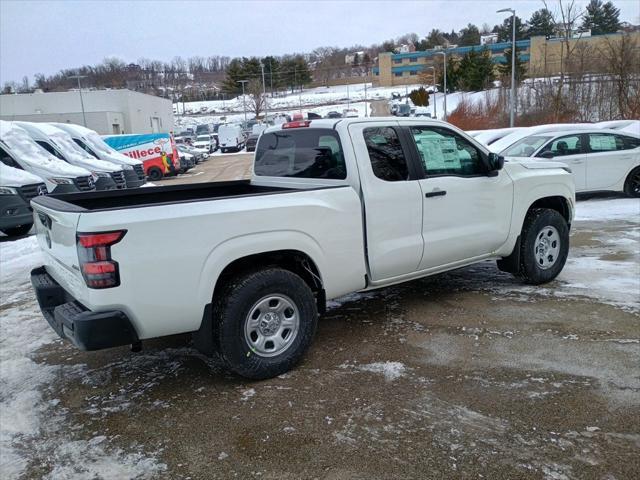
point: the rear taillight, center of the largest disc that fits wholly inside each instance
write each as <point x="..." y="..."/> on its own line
<point x="298" y="124"/>
<point x="94" y="254"/>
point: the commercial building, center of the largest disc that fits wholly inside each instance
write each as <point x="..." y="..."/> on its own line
<point x="106" y="111"/>
<point x="542" y="56"/>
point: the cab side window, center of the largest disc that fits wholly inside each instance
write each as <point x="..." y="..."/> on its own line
<point x="604" y="142"/>
<point x="563" y="146"/>
<point x="385" y="153"/>
<point x="444" y="152"/>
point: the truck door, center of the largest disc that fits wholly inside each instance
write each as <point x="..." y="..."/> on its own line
<point x="467" y="213"/>
<point x="392" y="199"/>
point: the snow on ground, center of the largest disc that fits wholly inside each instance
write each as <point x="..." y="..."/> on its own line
<point x="321" y="100"/>
<point x="29" y="421"/>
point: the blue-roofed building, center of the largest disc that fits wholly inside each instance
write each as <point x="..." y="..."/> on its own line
<point x="403" y="68"/>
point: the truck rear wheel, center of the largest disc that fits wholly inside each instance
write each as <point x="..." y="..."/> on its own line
<point x="264" y="322"/>
<point x="155" y="174"/>
<point x="544" y="246"/>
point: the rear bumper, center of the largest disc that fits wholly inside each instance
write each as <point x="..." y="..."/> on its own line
<point x="86" y="329"/>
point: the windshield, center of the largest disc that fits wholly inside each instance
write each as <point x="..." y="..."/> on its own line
<point x="23" y="145"/>
<point x="95" y="142"/>
<point x="67" y="145"/>
<point x="525" y="147"/>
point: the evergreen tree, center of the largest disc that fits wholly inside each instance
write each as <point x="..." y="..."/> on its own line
<point x="470" y="35"/>
<point x="541" y="23"/>
<point x="295" y="72"/>
<point x="476" y="70"/>
<point x="601" y="17"/>
<point x="233" y="74"/>
<point x="505" y="68"/>
<point x="505" y="32"/>
<point x="453" y="75"/>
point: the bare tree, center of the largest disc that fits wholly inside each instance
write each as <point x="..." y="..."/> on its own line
<point x="256" y="99"/>
<point x="623" y="63"/>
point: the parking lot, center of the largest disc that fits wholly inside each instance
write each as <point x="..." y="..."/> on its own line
<point x="219" y="167"/>
<point x="461" y="375"/>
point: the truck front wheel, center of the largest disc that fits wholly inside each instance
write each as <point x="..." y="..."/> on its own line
<point x="264" y="322"/>
<point x="544" y="246"/>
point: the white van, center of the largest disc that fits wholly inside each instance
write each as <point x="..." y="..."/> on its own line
<point x="230" y="137"/>
<point x="92" y="143"/>
<point x="18" y="150"/>
<point x="106" y="175"/>
<point x="17" y="188"/>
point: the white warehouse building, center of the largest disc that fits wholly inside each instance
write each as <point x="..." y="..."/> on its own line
<point x="106" y="111"/>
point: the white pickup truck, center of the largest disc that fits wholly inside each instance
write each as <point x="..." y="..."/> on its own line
<point x="333" y="207"/>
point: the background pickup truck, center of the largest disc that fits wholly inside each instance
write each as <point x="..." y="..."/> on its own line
<point x="333" y="207"/>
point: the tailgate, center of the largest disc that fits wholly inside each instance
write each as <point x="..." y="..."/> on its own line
<point x="56" y="234"/>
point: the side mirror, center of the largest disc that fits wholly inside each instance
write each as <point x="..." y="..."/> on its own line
<point x="495" y="161"/>
<point x="547" y="154"/>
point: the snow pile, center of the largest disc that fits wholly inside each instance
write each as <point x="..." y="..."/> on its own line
<point x="601" y="210"/>
<point x="390" y="370"/>
<point x="29" y="423"/>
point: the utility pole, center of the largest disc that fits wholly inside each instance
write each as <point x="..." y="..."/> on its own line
<point x="78" y="77"/>
<point x="264" y="93"/>
<point x="244" y="105"/>
<point x="512" y="106"/>
<point x="435" y="112"/>
<point x="444" y="60"/>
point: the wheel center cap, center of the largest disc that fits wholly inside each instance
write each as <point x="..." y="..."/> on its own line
<point x="269" y="324"/>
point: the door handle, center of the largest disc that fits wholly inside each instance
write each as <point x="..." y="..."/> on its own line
<point x="576" y="161"/>
<point x="435" y="193"/>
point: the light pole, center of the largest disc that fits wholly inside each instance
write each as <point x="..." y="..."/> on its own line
<point x="264" y="94"/>
<point x="512" y="107"/>
<point x="444" y="86"/>
<point x="244" y="105"/>
<point x="435" y="112"/>
<point x="78" y="77"/>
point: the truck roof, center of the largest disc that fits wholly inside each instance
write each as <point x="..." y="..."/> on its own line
<point x="332" y="123"/>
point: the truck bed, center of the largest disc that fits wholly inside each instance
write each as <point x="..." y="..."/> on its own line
<point x="143" y="197"/>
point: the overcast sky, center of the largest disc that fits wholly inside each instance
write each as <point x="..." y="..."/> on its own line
<point x="46" y="36"/>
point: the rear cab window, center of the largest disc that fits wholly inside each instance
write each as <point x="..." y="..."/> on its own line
<point x="300" y="153"/>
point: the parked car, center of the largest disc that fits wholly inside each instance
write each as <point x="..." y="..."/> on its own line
<point x="350" y="113"/>
<point x="18" y="150"/>
<point x="265" y="255"/>
<point x="422" y="112"/>
<point x="333" y="114"/>
<point x="599" y="159"/>
<point x="203" y="129"/>
<point x="17" y="188"/>
<point x="204" y="141"/>
<point x="106" y="175"/>
<point x="199" y="154"/>
<point x="187" y="162"/>
<point x="156" y="151"/>
<point x="231" y="138"/>
<point x="488" y="137"/>
<point x="508" y="140"/>
<point x="252" y="141"/>
<point x="93" y="144"/>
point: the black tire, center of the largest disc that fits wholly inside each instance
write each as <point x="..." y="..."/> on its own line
<point x="17" y="231"/>
<point x="231" y="312"/>
<point x="538" y="228"/>
<point x="632" y="183"/>
<point x="155" y="174"/>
